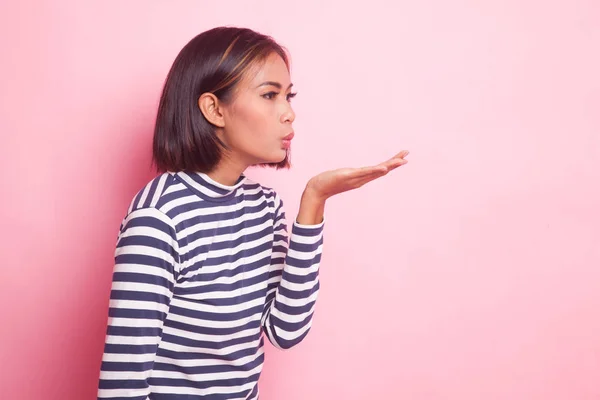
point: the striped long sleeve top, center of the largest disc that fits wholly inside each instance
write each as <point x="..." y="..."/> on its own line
<point x="202" y="273"/>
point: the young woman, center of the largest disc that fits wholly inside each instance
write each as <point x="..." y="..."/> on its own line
<point x="203" y="263"/>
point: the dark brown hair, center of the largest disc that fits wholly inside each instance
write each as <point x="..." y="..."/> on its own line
<point x="214" y="61"/>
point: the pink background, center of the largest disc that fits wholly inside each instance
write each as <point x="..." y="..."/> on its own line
<point x="471" y="273"/>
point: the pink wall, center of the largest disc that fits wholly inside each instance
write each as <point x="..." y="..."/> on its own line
<point x="472" y="273"/>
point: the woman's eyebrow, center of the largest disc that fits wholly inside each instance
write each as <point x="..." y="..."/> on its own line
<point x="276" y="84"/>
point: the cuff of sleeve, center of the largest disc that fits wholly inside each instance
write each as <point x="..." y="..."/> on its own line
<point x="309" y="229"/>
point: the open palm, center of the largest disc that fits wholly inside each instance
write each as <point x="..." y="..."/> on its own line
<point x="340" y="180"/>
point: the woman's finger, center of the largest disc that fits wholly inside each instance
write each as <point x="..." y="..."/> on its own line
<point x="396" y="163"/>
<point x="362" y="180"/>
<point x="402" y="154"/>
<point x="380" y="172"/>
<point x="380" y="169"/>
<point x="398" y="158"/>
<point x="364" y="171"/>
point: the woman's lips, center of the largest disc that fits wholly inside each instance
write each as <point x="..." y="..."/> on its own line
<point x="287" y="141"/>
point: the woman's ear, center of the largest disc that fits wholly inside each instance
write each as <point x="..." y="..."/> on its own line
<point x="211" y="109"/>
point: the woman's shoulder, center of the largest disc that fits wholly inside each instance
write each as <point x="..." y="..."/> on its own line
<point x="268" y="192"/>
<point x="150" y="195"/>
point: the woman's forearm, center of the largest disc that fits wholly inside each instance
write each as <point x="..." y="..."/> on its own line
<point x="312" y="208"/>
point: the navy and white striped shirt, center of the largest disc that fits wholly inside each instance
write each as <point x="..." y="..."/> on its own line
<point x="201" y="271"/>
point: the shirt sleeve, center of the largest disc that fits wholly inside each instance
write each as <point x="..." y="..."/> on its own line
<point x="146" y="258"/>
<point x="293" y="281"/>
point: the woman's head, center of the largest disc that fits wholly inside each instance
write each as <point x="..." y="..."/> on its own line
<point x="227" y="95"/>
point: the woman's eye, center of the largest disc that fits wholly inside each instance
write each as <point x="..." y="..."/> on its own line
<point x="270" y="95"/>
<point x="291" y="96"/>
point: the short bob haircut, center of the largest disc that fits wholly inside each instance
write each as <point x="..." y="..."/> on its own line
<point x="215" y="61"/>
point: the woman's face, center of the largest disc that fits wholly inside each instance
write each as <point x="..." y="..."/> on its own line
<point x="258" y="122"/>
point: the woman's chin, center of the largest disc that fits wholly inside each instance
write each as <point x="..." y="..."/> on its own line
<point x="277" y="157"/>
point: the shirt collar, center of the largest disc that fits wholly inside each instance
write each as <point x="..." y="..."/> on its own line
<point x="207" y="188"/>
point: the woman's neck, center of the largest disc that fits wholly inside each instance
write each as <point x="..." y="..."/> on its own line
<point x="228" y="171"/>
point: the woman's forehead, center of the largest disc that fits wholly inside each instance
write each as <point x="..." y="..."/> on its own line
<point x="272" y="70"/>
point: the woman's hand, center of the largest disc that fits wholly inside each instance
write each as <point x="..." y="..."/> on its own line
<point x="330" y="183"/>
<point x="336" y="181"/>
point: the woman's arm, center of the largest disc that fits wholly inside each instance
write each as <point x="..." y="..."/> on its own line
<point x="294" y="275"/>
<point x="144" y="275"/>
<point x="312" y="208"/>
<point x="293" y="283"/>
